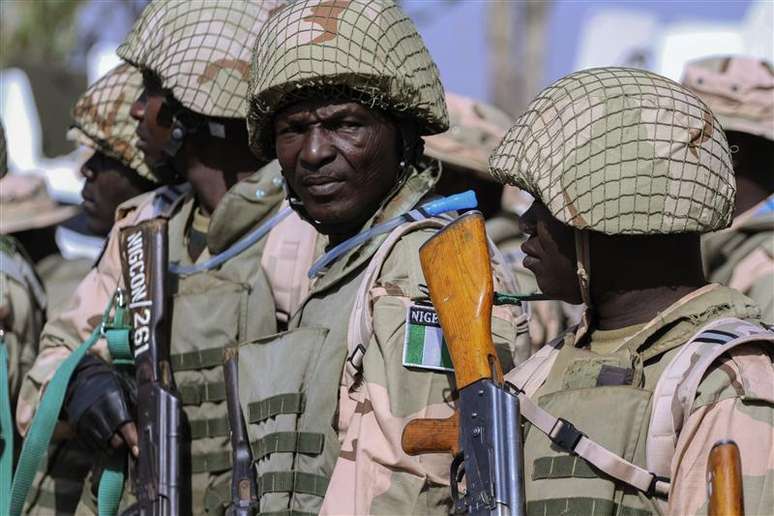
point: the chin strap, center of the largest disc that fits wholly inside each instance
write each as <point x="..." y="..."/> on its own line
<point x="583" y="271"/>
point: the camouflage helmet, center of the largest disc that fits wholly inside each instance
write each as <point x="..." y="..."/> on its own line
<point x="368" y="51"/>
<point x="621" y="151"/>
<point x="3" y="153"/>
<point x="200" y="50"/>
<point x="475" y="129"/>
<point x="101" y="118"/>
<point x="739" y="90"/>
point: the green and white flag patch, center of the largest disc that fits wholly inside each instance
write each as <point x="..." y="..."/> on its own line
<point x="423" y="344"/>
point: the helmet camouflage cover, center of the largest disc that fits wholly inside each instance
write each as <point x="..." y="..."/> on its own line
<point x="101" y="118"/>
<point x="475" y="129"/>
<point x="366" y="49"/>
<point x="621" y="151"/>
<point x="200" y="50"/>
<point x="739" y="90"/>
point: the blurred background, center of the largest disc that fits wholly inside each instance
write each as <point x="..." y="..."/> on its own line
<point x="503" y="52"/>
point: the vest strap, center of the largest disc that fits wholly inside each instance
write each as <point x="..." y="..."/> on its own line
<point x="217" y="497"/>
<point x="292" y="482"/>
<point x="194" y="360"/>
<point x="210" y="427"/>
<point x="198" y="394"/>
<point x="307" y="443"/>
<point x="288" y="403"/>
<point x="562" y="466"/>
<point x="565" y="435"/>
<point x="580" y="506"/>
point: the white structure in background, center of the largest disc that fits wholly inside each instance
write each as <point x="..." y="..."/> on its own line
<point x="100" y="59"/>
<point x="641" y="40"/>
<point x="23" y="134"/>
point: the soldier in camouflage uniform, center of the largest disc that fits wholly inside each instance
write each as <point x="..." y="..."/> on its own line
<point x="115" y="173"/>
<point x="475" y="130"/>
<point x="194" y="57"/>
<point x="627" y="169"/>
<point x="739" y="90"/>
<point x="341" y="93"/>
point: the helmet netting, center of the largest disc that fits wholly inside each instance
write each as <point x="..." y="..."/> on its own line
<point x="101" y="118"/>
<point x="200" y="50"/>
<point x="621" y="151"/>
<point x="371" y="49"/>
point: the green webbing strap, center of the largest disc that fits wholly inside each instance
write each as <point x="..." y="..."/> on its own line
<point x="6" y="431"/>
<point x="111" y="485"/>
<point x="194" y="360"/>
<point x="42" y="428"/>
<point x="210" y="427"/>
<point x="306" y="443"/>
<point x="581" y="506"/>
<point x="292" y="482"/>
<point x="290" y="403"/>
<point x="562" y="466"/>
<point x="198" y="394"/>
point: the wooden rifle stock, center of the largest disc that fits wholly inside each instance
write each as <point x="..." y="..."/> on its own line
<point x="458" y="272"/>
<point x="724" y="479"/>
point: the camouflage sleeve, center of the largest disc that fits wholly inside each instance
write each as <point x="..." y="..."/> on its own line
<point x="372" y="474"/>
<point x="74" y="324"/>
<point x="735" y="401"/>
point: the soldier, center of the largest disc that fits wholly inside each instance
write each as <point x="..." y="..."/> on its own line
<point x="739" y="92"/>
<point x="340" y="94"/>
<point x="475" y="130"/>
<point x="114" y="173"/>
<point x="190" y="123"/>
<point x="627" y="169"/>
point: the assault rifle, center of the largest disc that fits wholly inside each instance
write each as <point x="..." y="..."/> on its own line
<point x="485" y="433"/>
<point x="144" y="250"/>
<point x="724" y="480"/>
<point x="243" y="485"/>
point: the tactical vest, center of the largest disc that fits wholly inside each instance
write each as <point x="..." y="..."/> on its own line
<point x="597" y="418"/>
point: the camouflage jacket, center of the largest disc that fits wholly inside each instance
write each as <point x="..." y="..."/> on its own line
<point x="735" y="400"/>
<point x="742" y="256"/>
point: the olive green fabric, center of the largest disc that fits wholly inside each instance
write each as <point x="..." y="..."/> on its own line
<point x="59" y="485"/>
<point x="621" y="151"/>
<point x="101" y="118"/>
<point x="368" y="51"/>
<point x="578" y="389"/>
<point x="200" y="50"/>
<point x="738" y="89"/>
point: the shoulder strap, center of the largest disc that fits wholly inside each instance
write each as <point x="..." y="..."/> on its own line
<point x="287" y="256"/>
<point x="676" y="389"/>
<point x="529" y="376"/>
<point x="360" y="327"/>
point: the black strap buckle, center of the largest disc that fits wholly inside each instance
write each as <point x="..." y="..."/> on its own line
<point x="651" y="492"/>
<point x="565" y="435"/>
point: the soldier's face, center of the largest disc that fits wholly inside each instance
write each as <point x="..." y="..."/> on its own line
<point x="108" y="183"/>
<point x="340" y="158"/>
<point x="550" y="252"/>
<point x="154" y="119"/>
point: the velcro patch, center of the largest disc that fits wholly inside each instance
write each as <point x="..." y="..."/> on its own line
<point x="423" y="344"/>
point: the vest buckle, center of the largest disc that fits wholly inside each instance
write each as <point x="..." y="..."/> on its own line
<point x="565" y="435"/>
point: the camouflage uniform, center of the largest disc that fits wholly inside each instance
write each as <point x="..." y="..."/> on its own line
<point x="475" y="129"/>
<point x="625" y="151"/>
<point x="325" y="414"/>
<point x="209" y="80"/>
<point x="101" y="121"/>
<point x="739" y="92"/>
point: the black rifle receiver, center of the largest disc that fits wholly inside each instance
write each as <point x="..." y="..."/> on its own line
<point x="144" y="253"/>
<point x="243" y="485"/>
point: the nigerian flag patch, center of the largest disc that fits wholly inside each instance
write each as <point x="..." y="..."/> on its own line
<point x="423" y="344"/>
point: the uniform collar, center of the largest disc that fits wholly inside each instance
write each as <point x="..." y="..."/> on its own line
<point x="419" y="183"/>
<point x="677" y="323"/>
